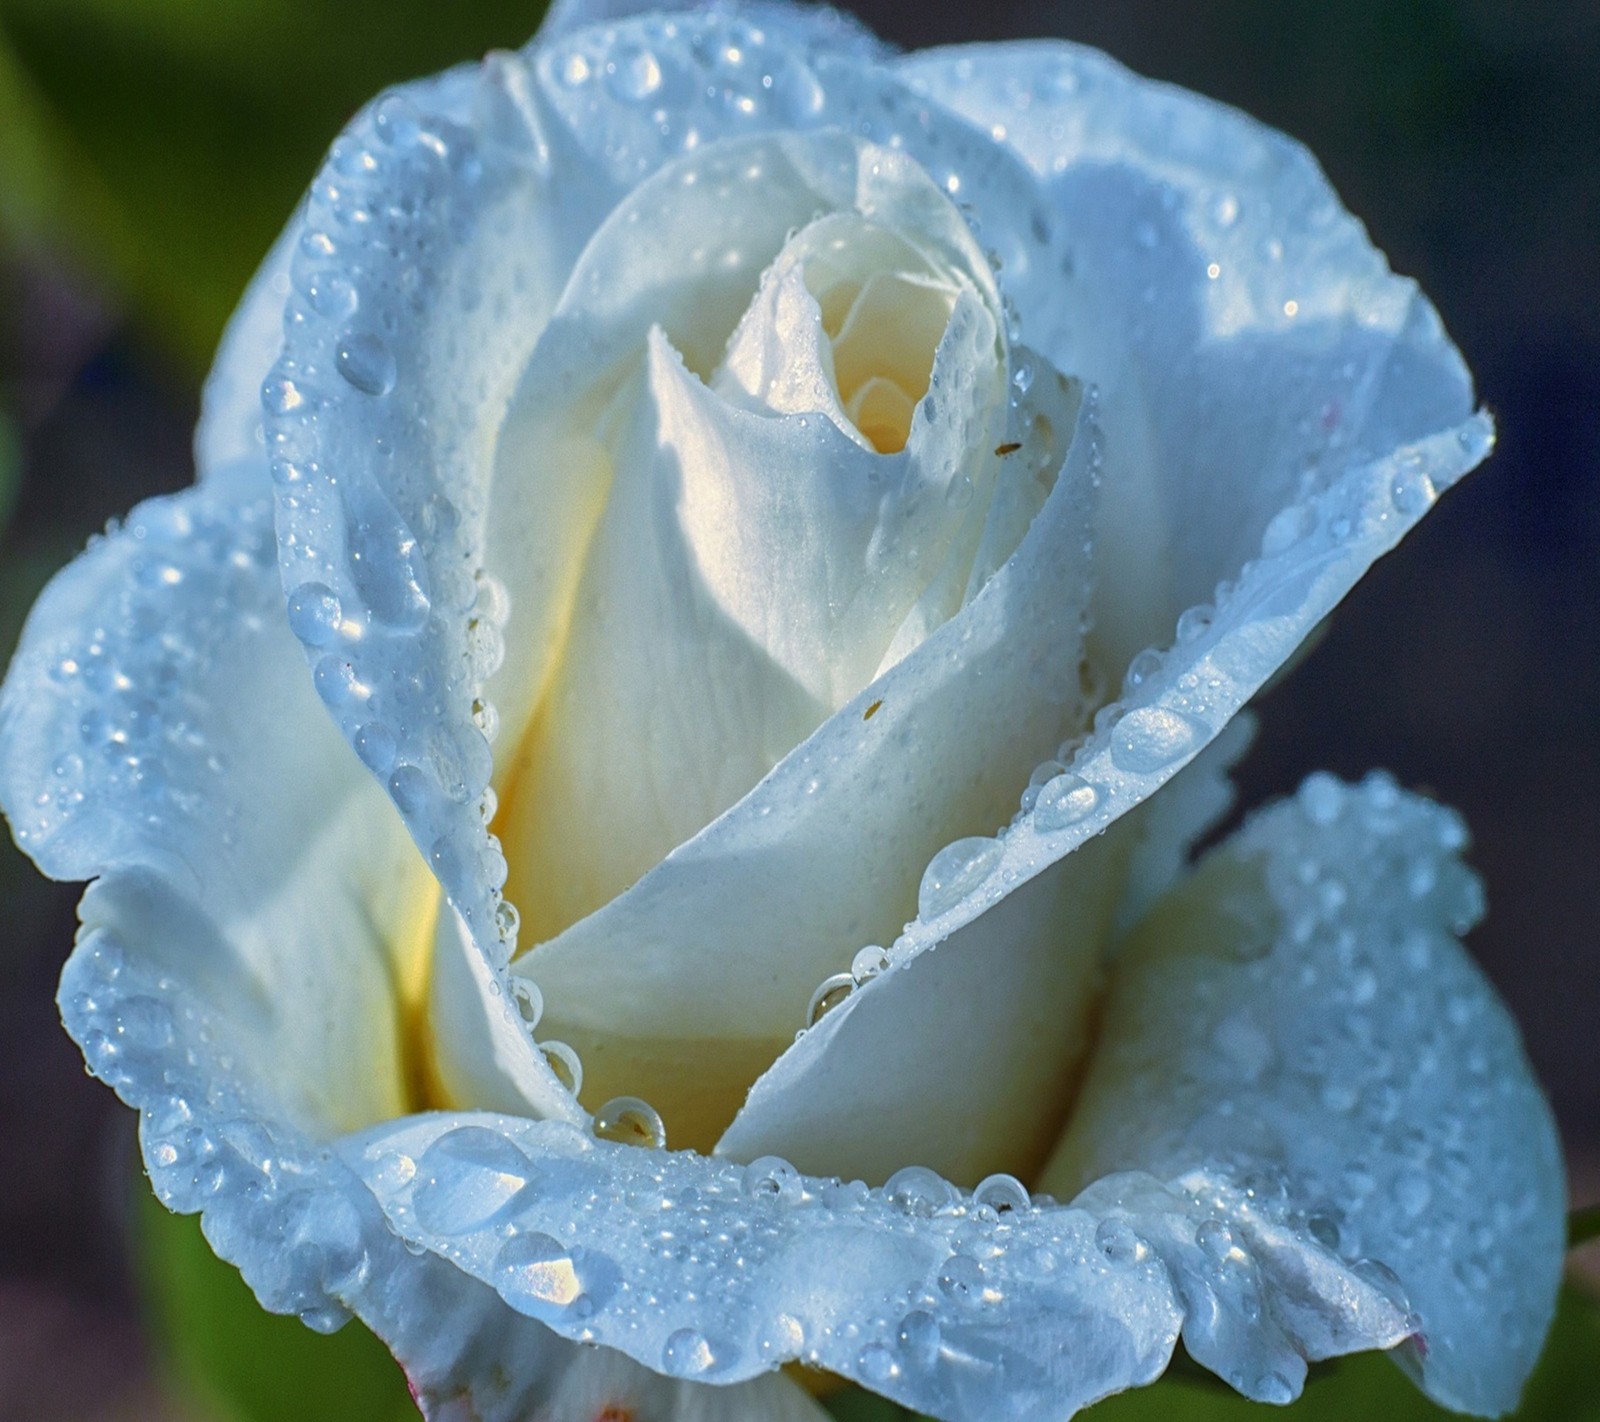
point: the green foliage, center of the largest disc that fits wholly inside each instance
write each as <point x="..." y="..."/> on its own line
<point x="165" y="142"/>
<point x="242" y="1363"/>
<point x="1564" y="1388"/>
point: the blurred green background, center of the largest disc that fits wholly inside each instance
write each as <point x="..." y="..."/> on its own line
<point x="151" y="149"/>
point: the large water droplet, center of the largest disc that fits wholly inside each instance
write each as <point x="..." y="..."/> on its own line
<point x="772" y="1178"/>
<point x="1151" y="738"/>
<point x="538" y="1273"/>
<point x="830" y="993"/>
<point x="465" y="1178"/>
<point x="1062" y="802"/>
<point x="687" y="1354"/>
<point x="367" y="363"/>
<point x="954" y="872"/>
<point x="918" y="1190"/>
<point x="314" y="614"/>
<point x="1002" y="1194"/>
<point x="627" y="1120"/>
<point x="961" y="1279"/>
<point x="563" y="1061"/>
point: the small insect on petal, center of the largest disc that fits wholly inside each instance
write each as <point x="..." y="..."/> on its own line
<point x="1009" y="447"/>
<point x="871" y="711"/>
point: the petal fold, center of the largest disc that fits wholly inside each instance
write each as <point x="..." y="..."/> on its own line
<point x="1297" y="1048"/>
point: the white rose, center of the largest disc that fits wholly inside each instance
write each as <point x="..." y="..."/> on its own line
<point x="780" y="454"/>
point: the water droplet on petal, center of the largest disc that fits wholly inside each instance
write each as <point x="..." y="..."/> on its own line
<point x="627" y="1120"/>
<point x="1002" y="1194"/>
<point x="961" y="1279"/>
<point x="772" y="1178"/>
<point x="830" y="993"/>
<point x="1062" y="802"/>
<point x="954" y="872"/>
<point x="1151" y="738"/>
<point x="538" y="1273"/>
<point x="687" y="1354"/>
<point x="564" y="1063"/>
<point x="314" y="614"/>
<point x="465" y="1178"/>
<point x="367" y="363"/>
<point x="918" y="1190"/>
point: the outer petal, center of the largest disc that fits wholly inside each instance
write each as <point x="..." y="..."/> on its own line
<point x="1313" y="1111"/>
<point x="159" y="736"/>
<point x="1252" y="347"/>
<point x="1295" y="1044"/>
<point x="308" y="1236"/>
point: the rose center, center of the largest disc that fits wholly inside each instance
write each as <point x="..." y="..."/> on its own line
<point x="883" y="333"/>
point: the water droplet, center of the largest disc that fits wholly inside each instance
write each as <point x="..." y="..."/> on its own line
<point x="376" y="745"/>
<point x="282" y="396"/>
<point x="527" y="999"/>
<point x="954" y="872"/>
<point x="918" y="1337"/>
<point x="538" y="1273"/>
<point x="1117" y="1241"/>
<point x="1215" y="1239"/>
<point x="1062" y="802"/>
<point x="627" y="1120"/>
<point x="830" y="993"/>
<point x="1287" y="528"/>
<point x="869" y="962"/>
<point x="961" y="1279"/>
<point x="635" y="75"/>
<point x="1195" y="621"/>
<point x="314" y="614"/>
<point x="1002" y="1194"/>
<point x="367" y="363"/>
<point x="687" y="1354"/>
<point x="465" y="1178"/>
<point x="1323" y="1226"/>
<point x="876" y="1363"/>
<point x="771" y="1177"/>
<point x="563" y="1061"/>
<point x="1412" y="491"/>
<point x="918" y="1190"/>
<point x="1151" y="738"/>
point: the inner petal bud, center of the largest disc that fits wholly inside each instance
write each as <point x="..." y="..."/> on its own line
<point x="848" y="322"/>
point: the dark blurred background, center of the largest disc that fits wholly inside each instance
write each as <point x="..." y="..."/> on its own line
<point x="151" y="149"/>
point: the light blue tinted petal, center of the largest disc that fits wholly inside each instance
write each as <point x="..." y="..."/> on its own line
<point x="708" y="1269"/>
<point x="825" y="855"/>
<point x="307" y="1234"/>
<point x="157" y="734"/>
<point x="1251" y="346"/>
<point x="1297" y="1048"/>
<point x="810" y="24"/>
<point x="229" y="445"/>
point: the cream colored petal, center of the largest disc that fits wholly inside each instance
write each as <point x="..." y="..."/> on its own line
<point x="966" y="1058"/>
<point x="726" y="940"/>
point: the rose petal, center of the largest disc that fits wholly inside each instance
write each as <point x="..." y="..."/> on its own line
<point x="1296" y="1046"/>
<point x="726" y="940"/>
<point x="1252" y="346"/>
<point x="451" y="214"/>
<point x="159" y="736"/>
<point x="306" y="1232"/>
<point x="965" y="1058"/>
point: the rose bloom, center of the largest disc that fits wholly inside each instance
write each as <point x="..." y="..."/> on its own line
<point x="640" y="811"/>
